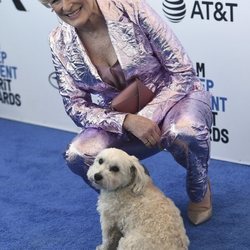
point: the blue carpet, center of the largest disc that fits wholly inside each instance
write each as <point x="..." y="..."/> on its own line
<point x="44" y="206"/>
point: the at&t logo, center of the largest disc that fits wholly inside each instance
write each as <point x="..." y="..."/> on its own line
<point x="176" y="10"/>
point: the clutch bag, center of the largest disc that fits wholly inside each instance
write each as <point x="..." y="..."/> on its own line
<point x="133" y="98"/>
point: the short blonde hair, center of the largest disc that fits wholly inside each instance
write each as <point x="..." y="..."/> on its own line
<point x="45" y="3"/>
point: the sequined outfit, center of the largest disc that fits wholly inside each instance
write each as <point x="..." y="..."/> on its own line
<point x="147" y="48"/>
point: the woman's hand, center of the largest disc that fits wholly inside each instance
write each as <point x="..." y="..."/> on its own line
<point x="143" y="128"/>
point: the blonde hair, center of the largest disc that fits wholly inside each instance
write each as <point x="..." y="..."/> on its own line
<point x="45" y="3"/>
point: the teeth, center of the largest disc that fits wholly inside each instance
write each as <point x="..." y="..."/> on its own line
<point x="73" y="13"/>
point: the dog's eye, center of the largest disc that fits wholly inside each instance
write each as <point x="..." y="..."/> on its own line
<point x="114" y="169"/>
<point x="100" y="161"/>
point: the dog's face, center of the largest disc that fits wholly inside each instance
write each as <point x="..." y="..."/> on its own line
<point x="114" y="169"/>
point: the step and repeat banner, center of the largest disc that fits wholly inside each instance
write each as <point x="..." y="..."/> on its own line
<point x="214" y="33"/>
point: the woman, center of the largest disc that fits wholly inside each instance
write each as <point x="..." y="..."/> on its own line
<point x="98" y="48"/>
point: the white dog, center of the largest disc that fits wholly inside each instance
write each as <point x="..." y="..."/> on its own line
<point x="135" y="215"/>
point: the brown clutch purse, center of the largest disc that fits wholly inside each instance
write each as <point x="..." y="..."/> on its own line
<point x="133" y="98"/>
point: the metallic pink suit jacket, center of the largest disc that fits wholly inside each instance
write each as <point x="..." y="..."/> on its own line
<point x="145" y="46"/>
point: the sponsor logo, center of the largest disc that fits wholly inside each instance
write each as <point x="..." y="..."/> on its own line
<point x="8" y="74"/>
<point x="176" y="10"/>
<point x="18" y="4"/>
<point x="218" y="104"/>
<point x="53" y="80"/>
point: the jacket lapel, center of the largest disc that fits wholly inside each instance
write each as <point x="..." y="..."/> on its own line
<point x="80" y="65"/>
<point x="123" y="35"/>
<point x="126" y="47"/>
<point x="123" y="38"/>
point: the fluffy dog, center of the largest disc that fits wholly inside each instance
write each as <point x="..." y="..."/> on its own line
<point x="134" y="214"/>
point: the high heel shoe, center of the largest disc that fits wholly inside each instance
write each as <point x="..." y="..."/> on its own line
<point x="202" y="211"/>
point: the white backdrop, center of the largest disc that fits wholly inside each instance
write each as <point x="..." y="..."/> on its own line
<point x="214" y="33"/>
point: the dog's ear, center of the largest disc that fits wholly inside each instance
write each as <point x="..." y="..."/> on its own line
<point x="138" y="175"/>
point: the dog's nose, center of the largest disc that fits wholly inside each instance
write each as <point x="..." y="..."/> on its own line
<point x="98" y="177"/>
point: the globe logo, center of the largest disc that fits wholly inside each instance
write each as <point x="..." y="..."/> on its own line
<point x="174" y="10"/>
<point x="53" y="80"/>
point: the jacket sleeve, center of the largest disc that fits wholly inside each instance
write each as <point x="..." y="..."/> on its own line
<point x="79" y="106"/>
<point x="170" y="53"/>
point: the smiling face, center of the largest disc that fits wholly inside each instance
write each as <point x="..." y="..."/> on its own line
<point x="76" y="13"/>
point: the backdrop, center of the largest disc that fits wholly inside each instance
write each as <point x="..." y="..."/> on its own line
<point x="214" y="33"/>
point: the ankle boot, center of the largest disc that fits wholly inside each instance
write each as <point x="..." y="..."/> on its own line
<point x="202" y="211"/>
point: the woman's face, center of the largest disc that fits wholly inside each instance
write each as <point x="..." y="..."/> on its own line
<point x="75" y="12"/>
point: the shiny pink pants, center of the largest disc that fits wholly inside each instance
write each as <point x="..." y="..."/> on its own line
<point x="185" y="134"/>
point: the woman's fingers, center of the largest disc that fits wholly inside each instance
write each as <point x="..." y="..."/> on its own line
<point x="152" y="141"/>
<point x="144" y="129"/>
<point x="152" y="137"/>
